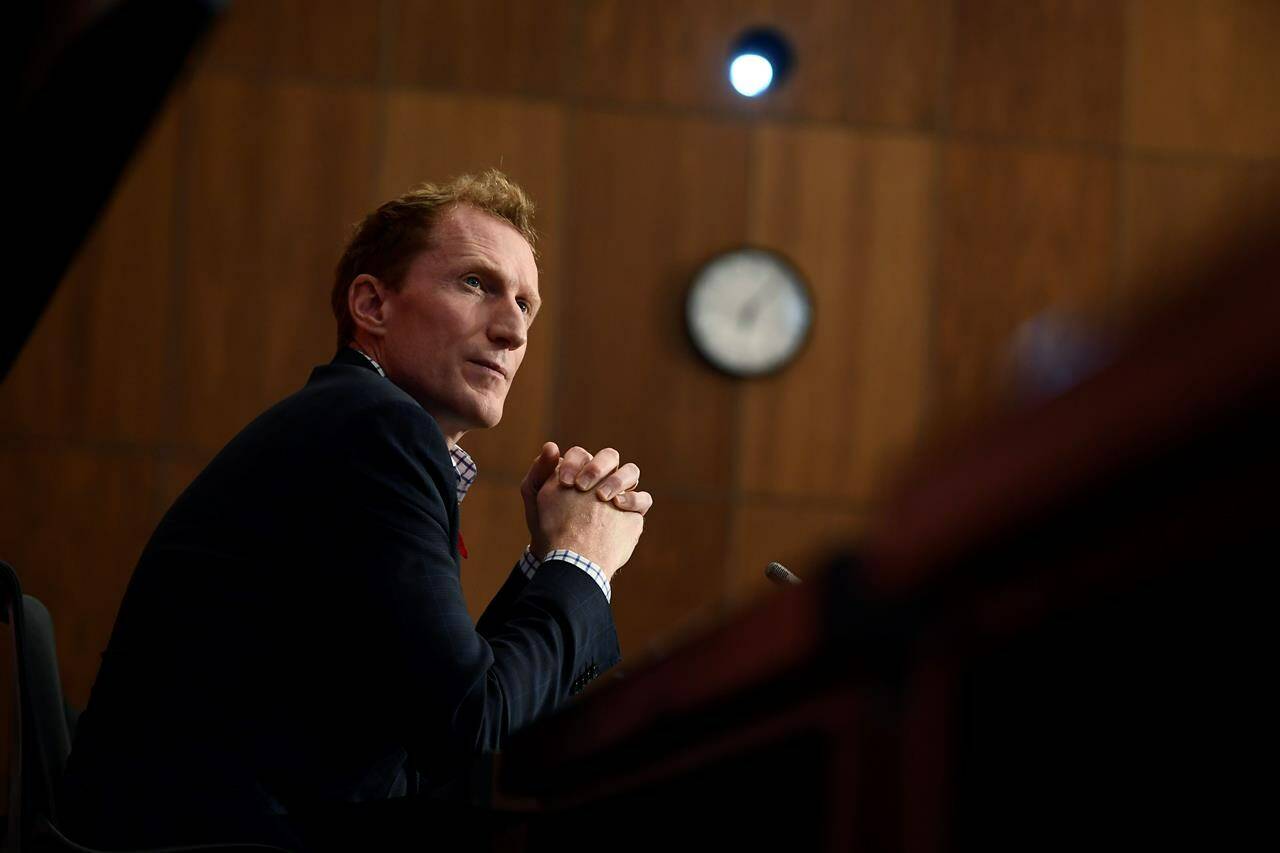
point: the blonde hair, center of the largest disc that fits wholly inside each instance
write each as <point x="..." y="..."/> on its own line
<point x="387" y="240"/>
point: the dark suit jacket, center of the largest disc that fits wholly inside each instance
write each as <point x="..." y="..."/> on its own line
<point x="295" y="632"/>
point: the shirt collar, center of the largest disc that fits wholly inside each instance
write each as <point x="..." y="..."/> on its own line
<point x="462" y="461"/>
<point x="466" y="468"/>
<point x="370" y="359"/>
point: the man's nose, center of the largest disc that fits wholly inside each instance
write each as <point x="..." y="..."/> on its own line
<point x="507" y="325"/>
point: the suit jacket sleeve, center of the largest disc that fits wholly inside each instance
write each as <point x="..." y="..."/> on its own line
<point x="456" y="691"/>
<point x="491" y="620"/>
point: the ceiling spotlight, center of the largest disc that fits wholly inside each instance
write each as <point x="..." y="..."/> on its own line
<point x="760" y="58"/>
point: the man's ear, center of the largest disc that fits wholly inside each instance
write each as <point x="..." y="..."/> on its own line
<point x="366" y="300"/>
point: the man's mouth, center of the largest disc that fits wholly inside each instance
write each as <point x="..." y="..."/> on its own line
<point x="492" y="365"/>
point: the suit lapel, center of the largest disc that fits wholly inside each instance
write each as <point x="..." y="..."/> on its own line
<point x="348" y="356"/>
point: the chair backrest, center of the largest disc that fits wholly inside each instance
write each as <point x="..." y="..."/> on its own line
<point x="44" y="691"/>
<point x="41" y="739"/>
<point x="11" y="613"/>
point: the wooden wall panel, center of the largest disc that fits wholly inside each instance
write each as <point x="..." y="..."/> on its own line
<point x="495" y="533"/>
<point x="1203" y="76"/>
<point x="326" y="39"/>
<point x="432" y="137"/>
<point x="98" y="364"/>
<point x="854" y="213"/>
<point x="1118" y="140"/>
<point x="863" y="61"/>
<point x="675" y="577"/>
<point x="676" y="53"/>
<point x="898" y="61"/>
<point x="1022" y="232"/>
<point x="653" y="199"/>
<point x="518" y="46"/>
<point x="818" y="84"/>
<point x="73" y="532"/>
<point x="1176" y="211"/>
<point x="1039" y="68"/>
<point x="267" y="215"/>
<point x="801" y="536"/>
<point x="671" y="52"/>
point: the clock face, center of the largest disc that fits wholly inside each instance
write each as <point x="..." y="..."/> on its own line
<point x="748" y="312"/>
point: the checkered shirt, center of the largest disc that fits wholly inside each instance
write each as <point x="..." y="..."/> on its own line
<point x="466" y="468"/>
<point x="529" y="564"/>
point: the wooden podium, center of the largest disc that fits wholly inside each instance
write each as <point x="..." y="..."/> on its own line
<point x="1052" y="640"/>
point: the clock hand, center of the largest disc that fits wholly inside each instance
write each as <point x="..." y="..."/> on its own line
<point x="747" y="313"/>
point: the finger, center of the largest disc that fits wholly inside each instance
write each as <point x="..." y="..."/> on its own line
<point x="571" y="463"/>
<point x="634" y="501"/>
<point x="624" y="479"/>
<point x="600" y="466"/>
<point x="544" y="465"/>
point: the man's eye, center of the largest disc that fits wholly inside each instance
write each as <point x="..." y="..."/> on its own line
<point x="524" y="306"/>
<point x="472" y="280"/>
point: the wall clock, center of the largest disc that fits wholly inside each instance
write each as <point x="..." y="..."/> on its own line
<point x="748" y="312"/>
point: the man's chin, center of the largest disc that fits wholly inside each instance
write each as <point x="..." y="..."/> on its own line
<point x="490" y="421"/>
<point x="457" y="417"/>
<point x="485" y="418"/>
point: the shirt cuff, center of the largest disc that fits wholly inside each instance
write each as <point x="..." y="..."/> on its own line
<point x="529" y="565"/>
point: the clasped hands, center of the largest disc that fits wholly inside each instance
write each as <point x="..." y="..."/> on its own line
<point x="585" y="503"/>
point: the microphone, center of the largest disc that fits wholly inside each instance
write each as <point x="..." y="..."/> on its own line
<point x="780" y="575"/>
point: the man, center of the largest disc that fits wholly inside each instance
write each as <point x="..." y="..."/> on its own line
<point x="295" y="635"/>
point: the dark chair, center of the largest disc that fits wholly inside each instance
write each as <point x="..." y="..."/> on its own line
<point x="40" y="737"/>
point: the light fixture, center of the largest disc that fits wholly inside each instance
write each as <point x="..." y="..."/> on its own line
<point x="759" y="59"/>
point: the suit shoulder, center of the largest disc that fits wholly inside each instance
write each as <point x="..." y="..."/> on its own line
<point x="345" y="416"/>
<point x="345" y="395"/>
<point x="372" y="419"/>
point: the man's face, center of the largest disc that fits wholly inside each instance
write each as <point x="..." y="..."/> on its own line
<point x="456" y="329"/>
